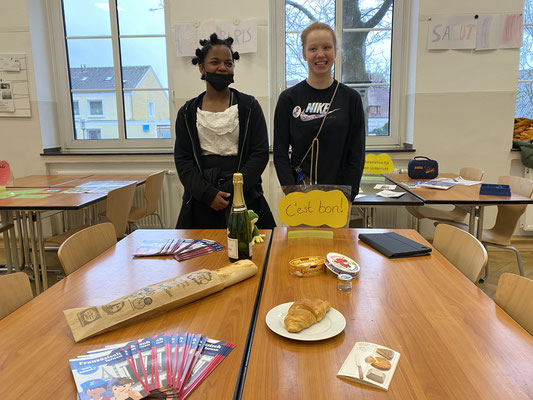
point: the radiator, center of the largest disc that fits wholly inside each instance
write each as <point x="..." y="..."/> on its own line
<point x="526" y="220"/>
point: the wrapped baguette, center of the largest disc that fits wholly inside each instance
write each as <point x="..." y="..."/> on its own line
<point x="155" y="299"/>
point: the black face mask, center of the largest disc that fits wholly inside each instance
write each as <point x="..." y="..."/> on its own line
<point x="218" y="81"/>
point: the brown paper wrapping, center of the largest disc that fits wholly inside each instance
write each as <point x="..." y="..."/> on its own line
<point x="154" y="299"/>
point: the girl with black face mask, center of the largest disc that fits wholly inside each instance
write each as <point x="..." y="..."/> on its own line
<point x="218" y="133"/>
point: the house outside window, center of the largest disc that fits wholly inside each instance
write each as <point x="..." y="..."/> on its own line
<point x="367" y="45"/>
<point x="524" y="97"/>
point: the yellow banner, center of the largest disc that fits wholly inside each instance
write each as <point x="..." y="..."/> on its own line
<point x="378" y="164"/>
<point x="315" y="208"/>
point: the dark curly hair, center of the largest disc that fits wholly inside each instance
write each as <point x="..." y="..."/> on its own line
<point x="208" y="43"/>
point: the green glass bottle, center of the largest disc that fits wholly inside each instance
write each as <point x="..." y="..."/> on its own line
<point x="239" y="227"/>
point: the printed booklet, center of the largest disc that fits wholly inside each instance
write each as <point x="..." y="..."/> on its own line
<point x="370" y="364"/>
<point x="167" y="366"/>
<point x="180" y="248"/>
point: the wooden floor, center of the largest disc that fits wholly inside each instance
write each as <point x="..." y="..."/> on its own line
<point x="500" y="261"/>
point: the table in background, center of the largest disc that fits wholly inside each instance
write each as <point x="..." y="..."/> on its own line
<point x="455" y="342"/>
<point x="33" y="181"/>
<point x="27" y="211"/>
<point x="466" y="196"/>
<point x="371" y="201"/>
<point x="37" y="343"/>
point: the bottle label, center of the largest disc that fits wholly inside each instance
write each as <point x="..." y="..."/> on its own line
<point x="239" y="209"/>
<point x="233" y="248"/>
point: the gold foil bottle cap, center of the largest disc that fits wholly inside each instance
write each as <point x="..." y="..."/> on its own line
<point x="237" y="178"/>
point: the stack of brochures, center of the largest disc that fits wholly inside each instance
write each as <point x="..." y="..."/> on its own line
<point x="167" y="366"/>
<point x="180" y="248"/>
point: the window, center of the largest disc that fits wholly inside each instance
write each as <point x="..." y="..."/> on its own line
<point x="95" y="108"/>
<point x="115" y="51"/>
<point x="524" y="96"/>
<point x="365" y="53"/>
<point x="93" y="134"/>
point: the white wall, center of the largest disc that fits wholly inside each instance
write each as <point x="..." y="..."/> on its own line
<point x="462" y="101"/>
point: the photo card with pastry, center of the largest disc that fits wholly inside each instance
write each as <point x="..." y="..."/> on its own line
<point x="370" y="364"/>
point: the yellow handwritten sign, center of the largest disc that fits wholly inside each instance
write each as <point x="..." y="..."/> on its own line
<point x="314" y="208"/>
<point x="378" y="164"/>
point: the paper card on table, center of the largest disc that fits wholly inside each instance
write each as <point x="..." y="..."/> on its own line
<point x="370" y="364"/>
<point x="388" y="193"/>
<point x="384" y="187"/>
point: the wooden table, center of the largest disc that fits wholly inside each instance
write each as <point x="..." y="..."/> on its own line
<point x="28" y="210"/>
<point x="32" y="181"/>
<point x="455" y="343"/>
<point x="37" y="342"/>
<point x="467" y="196"/>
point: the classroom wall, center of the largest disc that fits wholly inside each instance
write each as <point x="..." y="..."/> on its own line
<point x="461" y="102"/>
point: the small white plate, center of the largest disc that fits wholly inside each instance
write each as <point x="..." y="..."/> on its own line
<point x="331" y="325"/>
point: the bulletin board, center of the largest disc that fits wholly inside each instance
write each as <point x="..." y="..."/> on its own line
<point x="14" y="91"/>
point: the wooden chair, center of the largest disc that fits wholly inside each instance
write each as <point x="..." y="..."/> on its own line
<point x="15" y="291"/>
<point x="462" y="249"/>
<point x="458" y="214"/>
<point x="118" y="206"/>
<point x="152" y="193"/>
<point x="83" y="246"/>
<point x="515" y="295"/>
<point x="507" y="218"/>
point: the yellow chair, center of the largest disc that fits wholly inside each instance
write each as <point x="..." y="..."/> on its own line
<point x="118" y="206"/>
<point x="83" y="246"/>
<point x="515" y="295"/>
<point x="152" y="193"/>
<point x="458" y="214"/>
<point x="15" y="291"/>
<point x="462" y="249"/>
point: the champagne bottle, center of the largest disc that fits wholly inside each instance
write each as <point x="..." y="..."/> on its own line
<point x="239" y="227"/>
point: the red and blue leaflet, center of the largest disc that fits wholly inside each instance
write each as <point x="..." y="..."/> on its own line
<point x="180" y="248"/>
<point x="166" y="366"/>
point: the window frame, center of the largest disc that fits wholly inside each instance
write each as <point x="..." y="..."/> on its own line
<point x="67" y="128"/>
<point x="399" y="68"/>
<point x="523" y="81"/>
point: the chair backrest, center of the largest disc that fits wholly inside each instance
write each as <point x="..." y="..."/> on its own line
<point x="15" y="290"/>
<point x="83" y="246"/>
<point x="462" y="249"/>
<point x="118" y="206"/>
<point x="471" y="173"/>
<point x="509" y="214"/>
<point x="515" y="295"/>
<point x="152" y="191"/>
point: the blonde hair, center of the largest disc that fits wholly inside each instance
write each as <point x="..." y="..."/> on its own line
<point x="316" y="26"/>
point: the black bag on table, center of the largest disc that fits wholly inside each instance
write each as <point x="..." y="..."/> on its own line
<point x="422" y="168"/>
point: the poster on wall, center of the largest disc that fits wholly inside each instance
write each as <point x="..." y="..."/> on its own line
<point x="502" y="31"/>
<point x="243" y="32"/>
<point x="7" y="103"/>
<point x="452" y="32"/>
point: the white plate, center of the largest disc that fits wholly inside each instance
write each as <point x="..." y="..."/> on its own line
<point x="331" y="325"/>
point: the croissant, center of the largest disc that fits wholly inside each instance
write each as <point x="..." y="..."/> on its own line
<point x="304" y="313"/>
